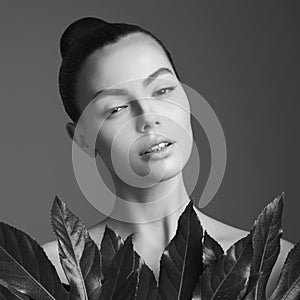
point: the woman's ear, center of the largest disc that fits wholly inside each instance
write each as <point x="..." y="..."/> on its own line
<point x="80" y="139"/>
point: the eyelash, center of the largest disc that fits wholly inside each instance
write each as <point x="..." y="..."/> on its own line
<point x="170" y="89"/>
<point x="113" y="110"/>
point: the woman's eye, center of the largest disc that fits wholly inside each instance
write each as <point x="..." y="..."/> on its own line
<point x="115" y="110"/>
<point x="164" y="91"/>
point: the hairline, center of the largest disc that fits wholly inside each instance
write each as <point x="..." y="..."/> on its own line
<point x="99" y="49"/>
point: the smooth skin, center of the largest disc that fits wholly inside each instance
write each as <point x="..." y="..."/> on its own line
<point x="126" y="118"/>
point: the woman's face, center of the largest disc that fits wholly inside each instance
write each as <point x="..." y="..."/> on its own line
<point x="133" y="109"/>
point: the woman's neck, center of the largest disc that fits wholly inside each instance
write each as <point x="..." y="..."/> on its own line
<point x="151" y="211"/>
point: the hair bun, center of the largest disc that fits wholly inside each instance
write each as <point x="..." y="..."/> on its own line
<point x="76" y="30"/>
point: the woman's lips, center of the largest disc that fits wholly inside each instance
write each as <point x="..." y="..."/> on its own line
<point x="156" y="140"/>
<point x="159" y="153"/>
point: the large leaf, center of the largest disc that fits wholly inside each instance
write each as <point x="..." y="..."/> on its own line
<point x="79" y="254"/>
<point x="8" y="293"/>
<point x="246" y="293"/>
<point x="267" y="231"/>
<point x="181" y="262"/>
<point x="226" y="277"/>
<point x="110" y="244"/>
<point x="211" y="249"/>
<point x="122" y="276"/>
<point x="25" y="267"/>
<point x="146" y="286"/>
<point x="288" y="286"/>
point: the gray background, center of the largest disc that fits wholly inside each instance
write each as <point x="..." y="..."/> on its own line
<point x="242" y="57"/>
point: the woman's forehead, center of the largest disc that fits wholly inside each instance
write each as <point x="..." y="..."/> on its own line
<point x="123" y="64"/>
<point x="134" y="56"/>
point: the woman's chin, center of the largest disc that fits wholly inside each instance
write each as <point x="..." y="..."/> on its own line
<point x="159" y="170"/>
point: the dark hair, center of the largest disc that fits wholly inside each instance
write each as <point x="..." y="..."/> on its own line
<point x="78" y="42"/>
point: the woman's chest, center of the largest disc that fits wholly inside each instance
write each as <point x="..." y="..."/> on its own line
<point x="151" y="255"/>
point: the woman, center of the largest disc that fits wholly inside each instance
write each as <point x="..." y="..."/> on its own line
<point x="128" y="81"/>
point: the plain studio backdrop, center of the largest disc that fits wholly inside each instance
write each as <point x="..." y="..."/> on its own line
<point x="242" y="57"/>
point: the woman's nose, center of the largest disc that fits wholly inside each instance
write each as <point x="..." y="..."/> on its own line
<point x="147" y="119"/>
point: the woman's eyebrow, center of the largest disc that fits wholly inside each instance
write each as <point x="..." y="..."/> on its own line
<point x="123" y="92"/>
<point x="108" y="92"/>
<point x="155" y="74"/>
